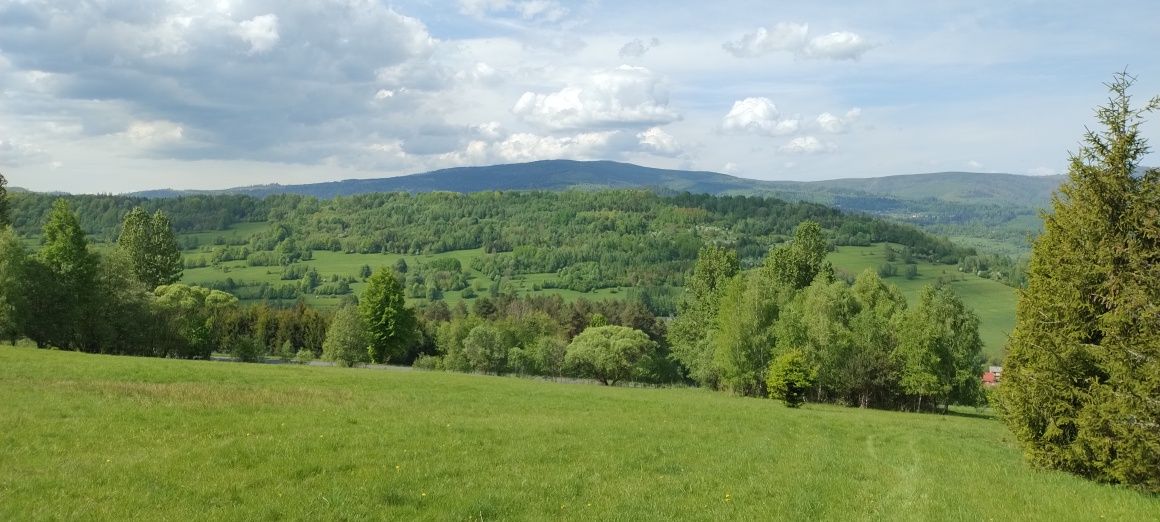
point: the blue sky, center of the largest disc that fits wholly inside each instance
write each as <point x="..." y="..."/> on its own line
<point x="126" y="95"/>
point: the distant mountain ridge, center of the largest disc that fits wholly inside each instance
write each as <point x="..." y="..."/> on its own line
<point x="959" y="187"/>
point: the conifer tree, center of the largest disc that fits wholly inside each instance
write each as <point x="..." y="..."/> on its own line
<point x="1081" y="386"/>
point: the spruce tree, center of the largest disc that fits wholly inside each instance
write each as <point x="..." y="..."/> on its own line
<point x="1081" y="386"/>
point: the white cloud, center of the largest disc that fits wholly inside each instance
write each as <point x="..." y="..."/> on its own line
<point x="285" y="82"/>
<point x="153" y="133"/>
<point x="261" y="32"/>
<point x="1043" y="171"/>
<point x="837" y="46"/>
<point x="530" y="10"/>
<point x="974" y="164"/>
<point x="807" y="145"/>
<point x="625" y="96"/>
<point x="13" y="154"/>
<point x="758" y="116"/>
<point x="794" y="38"/>
<point x="837" y="124"/>
<point x="637" y="47"/>
<point x="657" y="141"/>
<point x="783" y="37"/>
<point x="729" y="167"/>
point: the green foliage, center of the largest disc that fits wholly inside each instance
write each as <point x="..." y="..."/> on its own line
<point x="389" y="322"/>
<point x="485" y="349"/>
<point x="5" y="206"/>
<point x="66" y="279"/>
<point x="1081" y="387"/>
<point x="610" y="354"/>
<point x="346" y="339"/>
<point x="790" y="375"/>
<point x="13" y="261"/>
<point x="689" y="332"/>
<point x="744" y="336"/>
<point x="191" y="314"/>
<point x="797" y="263"/>
<point x="152" y="248"/>
<point x="940" y="350"/>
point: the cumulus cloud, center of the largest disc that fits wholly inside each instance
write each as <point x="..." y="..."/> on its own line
<point x="659" y="142"/>
<point x="637" y="47"/>
<point x="246" y="79"/>
<point x="526" y="146"/>
<point x="758" y="116"/>
<point x="794" y="38"/>
<point x="624" y="96"/>
<point x="807" y="145"/>
<point x="783" y="37"/>
<point x="837" y="124"/>
<point x="837" y="46"/>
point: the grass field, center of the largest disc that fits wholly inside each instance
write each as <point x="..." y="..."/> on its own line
<point x="88" y="437"/>
<point x="994" y="302"/>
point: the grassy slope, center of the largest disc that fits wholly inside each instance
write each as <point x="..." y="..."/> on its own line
<point x="108" y="438"/>
<point x="992" y="301"/>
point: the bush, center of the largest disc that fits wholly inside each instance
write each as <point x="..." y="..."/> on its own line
<point x="790" y="375"/>
<point x="610" y="354"/>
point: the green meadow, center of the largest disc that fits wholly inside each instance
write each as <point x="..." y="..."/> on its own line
<point x="89" y="437"/>
<point x="991" y="300"/>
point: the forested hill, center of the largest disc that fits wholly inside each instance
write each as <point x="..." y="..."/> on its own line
<point x="995" y="211"/>
<point x="538" y="175"/>
<point x="962" y="187"/>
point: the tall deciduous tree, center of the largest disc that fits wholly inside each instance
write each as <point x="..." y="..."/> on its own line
<point x="66" y="285"/>
<point x="798" y="262"/>
<point x="1081" y="387"/>
<point x="941" y="350"/>
<point x="13" y="259"/>
<point x="743" y="340"/>
<point x="390" y="323"/>
<point x="346" y="339"/>
<point x="151" y="246"/>
<point x="689" y="332"/>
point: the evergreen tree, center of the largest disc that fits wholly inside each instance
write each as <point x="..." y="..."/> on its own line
<point x="1081" y="386"/>
<point x="151" y="246"/>
<point x="390" y="324"/>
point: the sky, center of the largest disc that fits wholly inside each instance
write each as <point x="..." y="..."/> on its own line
<point x="113" y="96"/>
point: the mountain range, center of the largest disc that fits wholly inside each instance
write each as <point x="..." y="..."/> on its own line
<point x="883" y="192"/>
